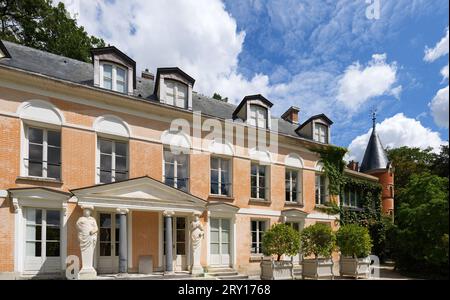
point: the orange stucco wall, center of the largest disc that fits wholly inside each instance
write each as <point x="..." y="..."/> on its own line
<point x="145" y="157"/>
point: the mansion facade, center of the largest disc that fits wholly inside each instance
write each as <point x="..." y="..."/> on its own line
<point x="76" y="135"/>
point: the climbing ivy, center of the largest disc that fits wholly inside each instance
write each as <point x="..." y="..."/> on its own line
<point x="369" y="214"/>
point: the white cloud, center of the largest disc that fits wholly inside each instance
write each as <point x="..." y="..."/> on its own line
<point x="439" y="107"/>
<point x="359" y="84"/>
<point x="397" y="131"/>
<point x="444" y="72"/>
<point x="440" y="49"/>
<point x="198" y="36"/>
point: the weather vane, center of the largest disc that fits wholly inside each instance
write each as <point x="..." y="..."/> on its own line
<point x="374" y="116"/>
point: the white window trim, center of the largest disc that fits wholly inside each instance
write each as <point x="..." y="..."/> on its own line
<point x="325" y="187"/>
<point x="113" y="157"/>
<point x="258" y="230"/>
<point x="266" y="178"/>
<point x="176" y="84"/>
<point x="317" y="136"/>
<point x="25" y="149"/>
<point x="299" y="185"/>
<point x="114" y="76"/>
<point x="175" y="169"/>
<point x="230" y="176"/>
<point x="257" y="121"/>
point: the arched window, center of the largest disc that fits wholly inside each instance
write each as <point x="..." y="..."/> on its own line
<point x="41" y="139"/>
<point x="112" y="158"/>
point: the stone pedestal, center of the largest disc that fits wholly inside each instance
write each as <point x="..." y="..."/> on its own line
<point x="87" y="273"/>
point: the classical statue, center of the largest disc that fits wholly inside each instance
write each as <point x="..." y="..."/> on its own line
<point x="197" y="234"/>
<point x="87" y="236"/>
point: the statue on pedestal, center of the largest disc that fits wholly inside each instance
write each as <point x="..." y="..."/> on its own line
<point x="87" y="236"/>
<point x="197" y="234"/>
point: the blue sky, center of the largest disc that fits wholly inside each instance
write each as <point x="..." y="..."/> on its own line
<point x="322" y="56"/>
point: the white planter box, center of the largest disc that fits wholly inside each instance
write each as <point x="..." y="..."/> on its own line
<point x="318" y="268"/>
<point x="277" y="270"/>
<point x="356" y="267"/>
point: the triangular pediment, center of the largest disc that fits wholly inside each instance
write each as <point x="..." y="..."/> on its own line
<point x="142" y="190"/>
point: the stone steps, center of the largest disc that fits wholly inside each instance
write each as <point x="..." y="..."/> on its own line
<point x="226" y="274"/>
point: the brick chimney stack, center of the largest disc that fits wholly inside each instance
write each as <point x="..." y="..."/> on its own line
<point x="291" y="115"/>
<point x="147" y="75"/>
<point x="353" y="165"/>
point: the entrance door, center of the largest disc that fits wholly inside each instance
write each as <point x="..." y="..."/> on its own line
<point x="43" y="241"/>
<point x="297" y="227"/>
<point x="220" y="245"/>
<point x="178" y="243"/>
<point x="108" y="243"/>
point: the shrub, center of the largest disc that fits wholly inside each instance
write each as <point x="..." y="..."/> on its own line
<point x="318" y="239"/>
<point x="354" y="241"/>
<point x="280" y="240"/>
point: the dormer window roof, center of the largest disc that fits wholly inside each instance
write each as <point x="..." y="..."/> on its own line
<point x="316" y="128"/>
<point x="254" y="110"/>
<point x="3" y="51"/>
<point x="114" y="70"/>
<point x="174" y="87"/>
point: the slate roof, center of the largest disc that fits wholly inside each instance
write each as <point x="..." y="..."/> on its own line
<point x="60" y="67"/>
<point x="375" y="157"/>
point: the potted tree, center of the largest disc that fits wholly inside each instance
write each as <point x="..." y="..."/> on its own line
<point x="318" y="240"/>
<point x="279" y="240"/>
<point x="355" y="245"/>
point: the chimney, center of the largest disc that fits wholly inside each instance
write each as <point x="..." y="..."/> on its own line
<point x="147" y="75"/>
<point x="291" y="115"/>
<point x="353" y="165"/>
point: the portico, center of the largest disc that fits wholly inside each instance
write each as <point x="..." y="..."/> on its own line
<point x="141" y="217"/>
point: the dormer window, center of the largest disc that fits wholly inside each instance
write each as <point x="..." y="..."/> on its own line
<point x="258" y="116"/>
<point x="176" y="93"/>
<point x="113" y="78"/>
<point x="174" y="87"/>
<point x="316" y="128"/>
<point x="114" y="70"/>
<point x="255" y="111"/>
<point x="321" y="133"/>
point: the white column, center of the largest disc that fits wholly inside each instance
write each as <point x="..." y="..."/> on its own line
<point x="123" y="241"/>
<point x="168" y="234"/>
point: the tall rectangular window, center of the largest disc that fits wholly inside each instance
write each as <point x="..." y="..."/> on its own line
<point x="176" y="170"/>
<point x="220" y="176"/>
<point x="321" y="133"/>
<point x="321" y="195"/>
<point x="43" y="233"/>
<point x="44" y="153"/>
<point x="258" y="228"/>
<point x="258" y="179"/>
<point x="293" y="186"/>
<point x="113" y="160"/>
<point x="351" y="198"/>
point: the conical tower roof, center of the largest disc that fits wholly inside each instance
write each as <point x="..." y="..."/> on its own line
<point x="375" y="157"/>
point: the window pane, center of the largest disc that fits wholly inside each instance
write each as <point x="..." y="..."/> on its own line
<point x="214" y="248"/>
<point x="120" y="86"/>
<point x="121" y="149"/>
<point x="105" y="162"/>
<point x="254" y="169"/>
<point x="215" y="224"/>
<point x="214" y="163"/>
<point x="35" y="153"/>
<point x="214" y="188"/>
<point x="54" y="155"/>
<point x="52" y="249"/>
<point x="105" y="220"/>
<point x="120" y="74"/>
<point x="225" y="189"/>
<point x="121" y="176"/>
<point x="54" y="138"/>
<point x="214" y="176"/>
<point x="254" y="225"/>
<point x="107" y="84"/>
<point x="121" y="163"/>
<point x="262" y="193"/>
<point x="262" y="170"/>
<point x="53" y="217"/>
<point x="105" y="234"/>
<point x="254" y="193"/>
<point x="181" y="248"/>
<point x="105" y="146"/>
<point x="105" y="249"/>
<point x="53" y="233"/>
<point x="107" y="71"/>
<point x="35" y="135"/>
<point x="33" y="249"/>
<point x="105" y="177"/>
<point x="35" y="169"/>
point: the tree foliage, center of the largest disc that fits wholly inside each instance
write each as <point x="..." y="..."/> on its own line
<point x="354" y="241"/>
<point x="42" y="25"/>
<point x="217" y="96"/>
<point x="280" y="240"/>
<point x="318" y="240"/>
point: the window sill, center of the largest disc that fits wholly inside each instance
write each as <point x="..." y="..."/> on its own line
<point x="221" y="198"/>
<point x="352" y="208"/>
<point x="293" y="204"/>
<point x="259" y="201"/>
<point x="39" y="179"/>
<point x="256" y="257"/>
